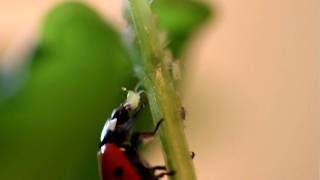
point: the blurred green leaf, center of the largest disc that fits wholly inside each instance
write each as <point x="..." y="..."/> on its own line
<point x="180" y="18"/>
<point x="50" y="130"/>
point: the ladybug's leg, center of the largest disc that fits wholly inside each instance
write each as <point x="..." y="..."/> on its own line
<point x="154" y="168"/>
<point x="170" y="173"/>
<point x="139" y="137"/>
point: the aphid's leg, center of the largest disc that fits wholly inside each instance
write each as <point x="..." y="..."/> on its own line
<point x="138" y="85"/>
<point x="140" y="137"/>
<point x="141" y="106"/>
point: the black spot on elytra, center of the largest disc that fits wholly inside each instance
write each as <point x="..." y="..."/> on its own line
<point x="118" y="172"/>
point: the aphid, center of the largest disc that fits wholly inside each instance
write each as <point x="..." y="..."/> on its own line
<point x="118" y="155"/>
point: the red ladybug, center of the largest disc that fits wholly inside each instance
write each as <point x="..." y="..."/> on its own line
<point x="115" y="164"/>
<point x="118" y="155"/>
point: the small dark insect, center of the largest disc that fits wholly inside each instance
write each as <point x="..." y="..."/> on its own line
<point x="183" y="112"/>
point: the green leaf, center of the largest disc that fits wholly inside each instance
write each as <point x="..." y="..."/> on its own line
<point x="51" y="129"/>
<point x="180" y="19"/>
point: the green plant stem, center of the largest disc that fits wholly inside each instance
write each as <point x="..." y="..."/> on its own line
<point x="161" y="92"/>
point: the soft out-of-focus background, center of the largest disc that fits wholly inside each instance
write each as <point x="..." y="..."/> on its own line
<point x="252" y="89"/>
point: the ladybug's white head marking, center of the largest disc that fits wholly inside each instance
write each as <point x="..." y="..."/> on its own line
<point x="109" y="126"/>
<point x="102" y="149"/>
<point x="113" y="112"/>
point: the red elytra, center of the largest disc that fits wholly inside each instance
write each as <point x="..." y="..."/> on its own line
<point x="115" y="165"/>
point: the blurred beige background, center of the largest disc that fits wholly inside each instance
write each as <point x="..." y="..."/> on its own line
<point x="253" y="91"/>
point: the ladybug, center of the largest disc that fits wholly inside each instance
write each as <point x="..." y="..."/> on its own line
<point x="118" y="156"/>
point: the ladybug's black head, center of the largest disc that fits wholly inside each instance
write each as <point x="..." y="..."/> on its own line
<point x="122" y="114"/>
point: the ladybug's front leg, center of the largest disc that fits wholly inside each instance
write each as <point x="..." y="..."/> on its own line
<point x="163" y="168"/>
<point x="170" y="173"/>
<point x="139" y="137"/>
